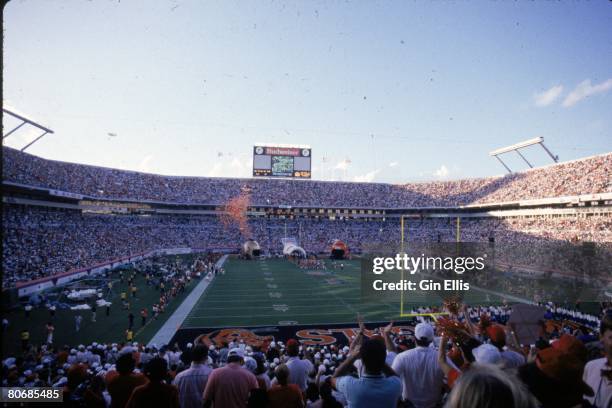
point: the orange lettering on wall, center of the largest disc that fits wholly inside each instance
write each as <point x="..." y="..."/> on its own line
<point x="315" y="337"/>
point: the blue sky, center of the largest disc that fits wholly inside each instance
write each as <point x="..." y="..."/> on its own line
<point x="389" y="91"/>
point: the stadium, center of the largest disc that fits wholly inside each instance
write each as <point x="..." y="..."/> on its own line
<point x="274" y="284"/>
<point x="222" y="295"/>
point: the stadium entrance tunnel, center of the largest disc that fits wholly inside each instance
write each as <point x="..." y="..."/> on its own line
<point x="294" y="250"/>
<point x="339" y="250"/>
<point x="251" y="249"/>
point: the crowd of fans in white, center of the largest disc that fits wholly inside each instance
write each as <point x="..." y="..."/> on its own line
<point x="587" y="176"/>
<point x="472" y="360"/>
<point x="38" y="242"/>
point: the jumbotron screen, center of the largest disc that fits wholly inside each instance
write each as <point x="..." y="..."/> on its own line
<point x="276" y="161"/>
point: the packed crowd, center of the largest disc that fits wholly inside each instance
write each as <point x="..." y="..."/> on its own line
<point x="588" y="176"/>
<point x="468" y="359"/>
<point x="38" y="242"/>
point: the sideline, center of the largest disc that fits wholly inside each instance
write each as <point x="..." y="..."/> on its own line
<point x="174" y="322"/>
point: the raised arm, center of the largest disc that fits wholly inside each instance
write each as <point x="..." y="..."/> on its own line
<point x="346" y="366"/>
<point x="446" y="368"/>
<point x="470" y="325"/>
<point x="513" y="341"/>
<point x="387" y="336"/>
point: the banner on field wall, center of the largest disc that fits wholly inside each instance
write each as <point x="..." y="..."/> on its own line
<point x="308" y="335"/>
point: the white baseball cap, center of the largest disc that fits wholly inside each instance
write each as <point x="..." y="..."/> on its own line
<point x="236" y="352"/>
<point x="487" y="354"/>
<point x="424" y="331"/>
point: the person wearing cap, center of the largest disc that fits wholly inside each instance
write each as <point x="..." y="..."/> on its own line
<point x="379" y="386"/>
<point x="299" y="369"/>
<point x="28" y="309"/>
<point x="418" y="368"/>
<point x="231" y="385"/>
<point x="192" y="381"/>
<point x="555" y="377"/>
<point x="497" y="337"/>
<point x="260" y="372"/>
<point x="598" y="373"/>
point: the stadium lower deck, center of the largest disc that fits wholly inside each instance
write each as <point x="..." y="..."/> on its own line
<point x="277" y="292"/>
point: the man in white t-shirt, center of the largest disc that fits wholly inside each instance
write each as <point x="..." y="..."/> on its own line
<point x="299" y="369"/>
<point x="421" y="375"/>
<point x="598" y="373"/>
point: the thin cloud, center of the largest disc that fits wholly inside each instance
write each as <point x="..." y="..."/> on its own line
<point x="342" y="165"/>
<point x="368" y="177"/>
<point x="547" y="97"/>
<point x="145" y="164"/>
<point x="442" y="172"/>
<point x="227" y="166"/>
<point x="393" y="164"/>
<point x="584" y="90"/>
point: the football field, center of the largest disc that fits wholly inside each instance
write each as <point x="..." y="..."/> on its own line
<point x="277" y="292"/>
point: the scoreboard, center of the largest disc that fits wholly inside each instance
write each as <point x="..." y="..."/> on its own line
<point x="279" y="161"/>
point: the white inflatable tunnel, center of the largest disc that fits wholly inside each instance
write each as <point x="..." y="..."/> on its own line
<point x="251" y="249"/>
<point x="291" y="249"/>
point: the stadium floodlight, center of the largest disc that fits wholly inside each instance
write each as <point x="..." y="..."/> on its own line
<point x="516" y="148"/>
<point x="25" y="121"/>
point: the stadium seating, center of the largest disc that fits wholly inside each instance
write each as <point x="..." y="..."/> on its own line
<point x="588" y="176"/>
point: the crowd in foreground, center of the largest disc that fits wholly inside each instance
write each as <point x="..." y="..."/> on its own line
<point x="467" y="359"/>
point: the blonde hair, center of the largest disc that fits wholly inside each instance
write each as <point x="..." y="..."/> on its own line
<point x="488" y="386"/>
<point x="282" y="374"/>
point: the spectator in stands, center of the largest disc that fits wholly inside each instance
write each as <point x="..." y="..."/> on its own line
<point x="555" y="377"/>
<point x="25" y="339"/>
<point x="230" y="386"/>
<point x="191" y="382"/>
<point x="299" y="368"/>
<point x="327" y="399"/>
<point x="282" y="394"/>
<point x="122" y="382"/>
<point x="379" y="386"/>
<point x="155" y="393"/>
<point x="419" y="370"/>
<point x="497" y="336"/>
<point x="487" y="386"/>
<point x="73" y="390"/>
<point x="598" y="373"/>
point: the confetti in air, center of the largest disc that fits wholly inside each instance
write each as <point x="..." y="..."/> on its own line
<point x="235" y="213"/>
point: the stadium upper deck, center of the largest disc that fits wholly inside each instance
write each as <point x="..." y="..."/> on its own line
<point x="591" y="175"/>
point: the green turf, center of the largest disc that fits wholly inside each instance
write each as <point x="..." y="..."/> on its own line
<point x="105" y="329"/>
<point x="258" y="293"/>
